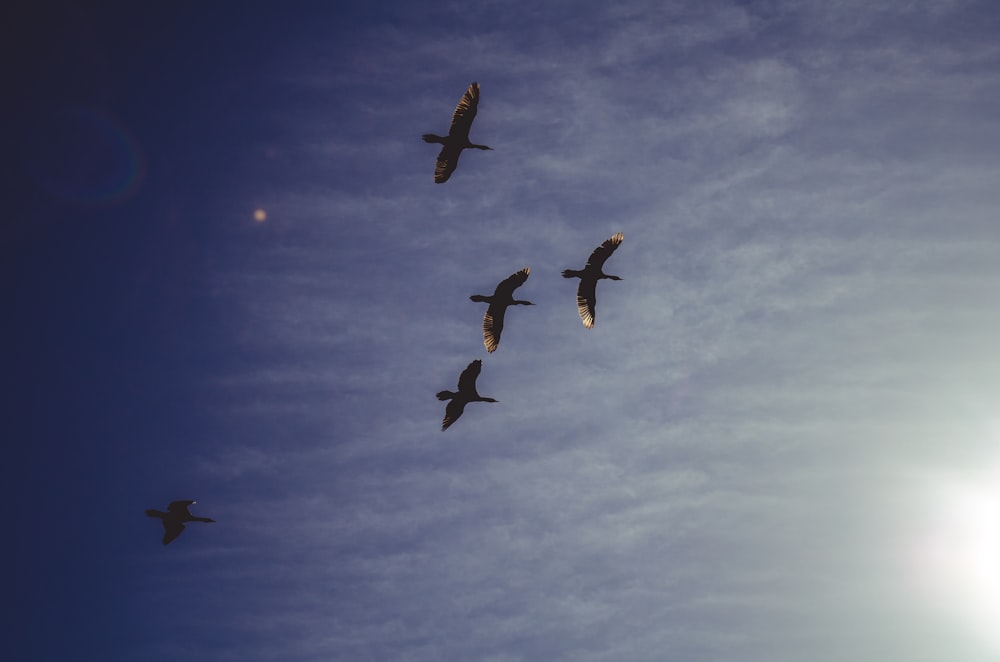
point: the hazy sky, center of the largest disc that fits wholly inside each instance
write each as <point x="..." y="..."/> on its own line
<point x="779" y="443"/>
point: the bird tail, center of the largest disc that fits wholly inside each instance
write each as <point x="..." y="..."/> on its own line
<point x="479" y="298"/>
<point x="445" y="395"/>
<point x="156" y="513"/>
<point x="571" y="273"/>
<point x="431" y="138"/>
<point x="204" y="519"/>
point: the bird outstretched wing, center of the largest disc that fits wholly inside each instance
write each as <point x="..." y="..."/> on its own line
<point x="171" y="529"/>
<point x="510" y="283"/>
<point x="586" y="300"/>
<point x="467" y="380"/>
<point x="493" y="326"/>
<point x="604" y="251"/>
<point x="447" y="161"/>
<point x="465" y="112"/>
<point x="180" y="507"/>
<point x="452" y="412"/>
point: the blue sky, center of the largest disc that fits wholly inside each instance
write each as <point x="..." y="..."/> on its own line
<point x="779" y="442"/>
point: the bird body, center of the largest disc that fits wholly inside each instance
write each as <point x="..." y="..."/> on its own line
<point x="175" y="517"/>
<point x="503" y="296"/>
<point x="466" y="393"/>
<point x="586" y="293"/>
<point x="458" y="135"/>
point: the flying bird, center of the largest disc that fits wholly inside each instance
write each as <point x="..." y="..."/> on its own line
<point x="466" y="393"/>
<point x="586" y="293"/>
<point x="458" y="135"/>
<point x="503" y="296"/>
<point x="173" y="520"/>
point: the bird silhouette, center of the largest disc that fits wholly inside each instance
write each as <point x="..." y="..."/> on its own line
<point x="173" y="520"/>
<point x="586" y="293"/>
<point x="466" y="393"/>
<point x="458" y="135"/>
<point x="503" y="296"/>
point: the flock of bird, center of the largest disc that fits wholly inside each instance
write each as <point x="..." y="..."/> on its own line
<point x="503" y="297"/>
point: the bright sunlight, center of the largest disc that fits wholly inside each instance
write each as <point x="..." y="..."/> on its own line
<point x="956" y="552"/>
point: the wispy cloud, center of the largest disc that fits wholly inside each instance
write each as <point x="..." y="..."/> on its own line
<point x="805" y="191"/>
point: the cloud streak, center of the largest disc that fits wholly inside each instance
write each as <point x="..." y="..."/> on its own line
<point x="805" y="191"/>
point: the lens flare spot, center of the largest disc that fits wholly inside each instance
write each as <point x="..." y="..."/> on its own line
<point x="259" y="215"/>
<point x="81" y="155"/>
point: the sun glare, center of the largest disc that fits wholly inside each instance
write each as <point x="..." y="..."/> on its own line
<point x="259" y="215"/>
<point x="955" y="557"/>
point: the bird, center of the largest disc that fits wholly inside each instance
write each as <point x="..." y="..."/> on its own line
<point x="586" y="293"/>
<point x="503" y="296"/>
<point x="173" y="520"/>
<point x="466" y="393"/>
<point x="458" y="135"/>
